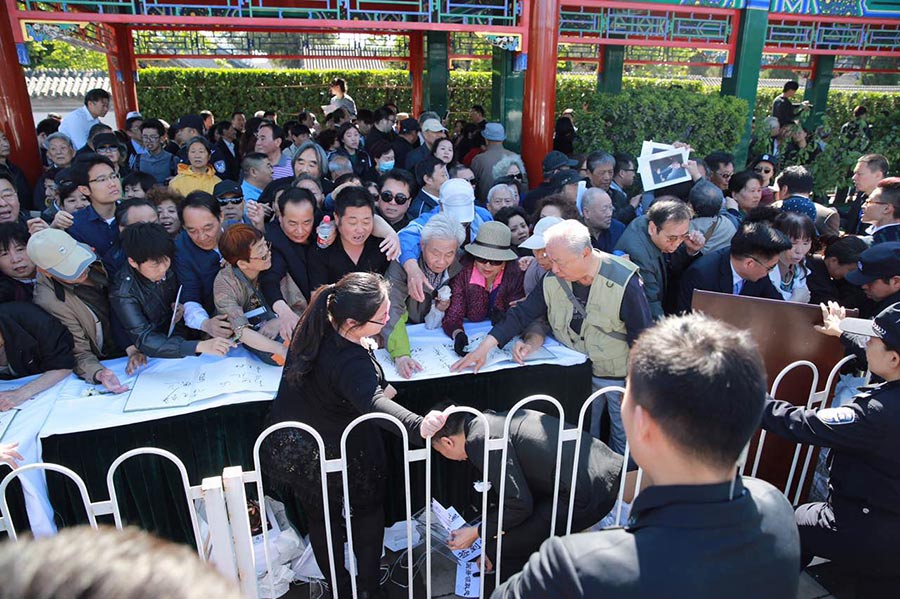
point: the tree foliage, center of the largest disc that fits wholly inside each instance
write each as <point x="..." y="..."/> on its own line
<point x="62" y="55"/>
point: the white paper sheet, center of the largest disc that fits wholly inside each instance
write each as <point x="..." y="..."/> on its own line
<point x="178" y="383"/>
<point x="434" y="351"/>
<point x="467" y="584"/>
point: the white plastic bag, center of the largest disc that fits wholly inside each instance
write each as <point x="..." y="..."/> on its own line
<point x="285" y="545"/>
<point x="434" y="317"/>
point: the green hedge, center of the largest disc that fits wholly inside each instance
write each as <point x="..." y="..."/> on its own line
<point x="621" y="122"/>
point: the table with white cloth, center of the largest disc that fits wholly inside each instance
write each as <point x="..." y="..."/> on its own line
<point x="87" y="433"/>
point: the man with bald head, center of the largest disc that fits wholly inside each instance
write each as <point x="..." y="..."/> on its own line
<point x="597" y="214"/>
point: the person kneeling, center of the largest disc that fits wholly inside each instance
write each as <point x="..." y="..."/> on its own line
<point x="144" y="293"/>
<point x="695" y="395"/>
<point x="530" y="479"/>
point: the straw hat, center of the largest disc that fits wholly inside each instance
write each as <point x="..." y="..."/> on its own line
<point x="492" y="242"/>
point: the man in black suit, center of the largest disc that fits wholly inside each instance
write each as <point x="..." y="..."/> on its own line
<point x="742" y="269"/>
<point x="530" y="478"/>
<point x="695" y="395"/>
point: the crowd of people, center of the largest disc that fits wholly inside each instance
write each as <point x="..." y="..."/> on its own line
<point x="309" y="243"/>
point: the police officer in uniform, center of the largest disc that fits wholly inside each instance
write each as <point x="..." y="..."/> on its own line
<point x="858" y="528"/>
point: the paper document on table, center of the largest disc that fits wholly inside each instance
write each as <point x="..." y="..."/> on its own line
<point x="184" y="382"/>
<point x="436" y="359"/>
<point x="467" y="584"/>
<point x="6" y="419"/>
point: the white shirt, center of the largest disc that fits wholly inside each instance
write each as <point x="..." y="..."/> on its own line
<point x="798" y="282"/>
<point x="77" y="124"/>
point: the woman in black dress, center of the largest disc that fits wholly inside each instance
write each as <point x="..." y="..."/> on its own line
<point x="330" y="378"/>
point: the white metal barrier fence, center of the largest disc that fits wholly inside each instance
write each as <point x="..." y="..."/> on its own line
<point x="230" y="547"/>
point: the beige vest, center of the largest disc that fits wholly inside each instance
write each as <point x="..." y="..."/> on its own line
<point x="602" y="335"/>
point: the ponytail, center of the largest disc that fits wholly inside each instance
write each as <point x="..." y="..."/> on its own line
<point x="357" y="296"/>
<point x="308" y="335"/>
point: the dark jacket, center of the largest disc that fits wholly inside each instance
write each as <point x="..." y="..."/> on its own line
<point x="680" y="542"/>
<point x="864" y="435"/>
<point x="607" y="239"/>
<point x="145" y="310"/>
<point x="531" y="471"/>
<point x="197" y="270"/>
<point x="288" y="258"/>
<point x="421" y="204"/>
<point x="13" y="290"/>
<point x="402" y="148"/>
<point x="35" y="341"/>
<point x="712" y="272"/>
<point x="226" y="164"/>
<point x="361" y="161"/>
<point x="415" y="156"/>
<point x="886" y="234"/>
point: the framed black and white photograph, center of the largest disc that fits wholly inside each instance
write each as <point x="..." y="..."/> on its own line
<point x="661" y="169"/>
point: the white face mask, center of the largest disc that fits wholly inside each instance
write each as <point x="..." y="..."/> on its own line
<point x="386" y="166"/>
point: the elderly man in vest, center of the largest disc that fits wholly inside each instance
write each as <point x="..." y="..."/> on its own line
<point x="594" y="303"/>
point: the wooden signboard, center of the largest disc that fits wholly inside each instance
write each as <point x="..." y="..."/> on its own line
<point x="784" y="333"/>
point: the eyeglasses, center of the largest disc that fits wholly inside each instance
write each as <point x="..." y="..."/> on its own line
<point x="8" y="196"/>
<point x="398" y="198"/>
<point x="107" y="149"/>
<point x="726" y="176"/>
<point x="491" y="262"/>
<point x="763" y="171"/>
<point x="868" y="201"/>
<point x="763" y="264"/>
<point x="150" y="138"/>
<point x="518" y="177"/>
<point x="105" y="178"/>
<point x="471" y="182"/>
<point x="232" y="201"/>
<point x="384" y="319"/>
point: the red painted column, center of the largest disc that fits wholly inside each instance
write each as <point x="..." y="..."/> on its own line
<point x="416" y="71"/>
<point x="540" y="86"/>
<point x="16" y="119"/>
<point x="122" y="74"/>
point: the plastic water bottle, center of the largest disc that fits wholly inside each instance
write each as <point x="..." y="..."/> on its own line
<point x="323" y="232"/>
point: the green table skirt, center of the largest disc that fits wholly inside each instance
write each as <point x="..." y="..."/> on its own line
<point x="149" y="488"/>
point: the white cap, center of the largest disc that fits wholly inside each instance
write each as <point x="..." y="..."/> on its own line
<point x="536" y="241"/>
<point x="133" y="113"/>
<point x="458" y="200"/>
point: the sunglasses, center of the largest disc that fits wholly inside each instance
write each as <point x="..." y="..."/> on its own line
<point x="399" y="199"/>
<point x="491" y="262"/>
<point x="233" y="201"/>
<point x="517" y="177"/>
<point x="763" y="171"/>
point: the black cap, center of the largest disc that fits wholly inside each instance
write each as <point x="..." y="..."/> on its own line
<point x="194" y="121"/>
<point x="880" y="261"/>
<point x="226" y="187"/>
<point x="564" y="177"/>
<point x="409" y="125"/>
<point x="556" y="160"/>
<point x="885" y="326"/>
<point x="765" y="158"/>
<point x="106" y="140"/>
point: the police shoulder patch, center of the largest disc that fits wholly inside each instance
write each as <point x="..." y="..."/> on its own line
<point x="842" y="415"/>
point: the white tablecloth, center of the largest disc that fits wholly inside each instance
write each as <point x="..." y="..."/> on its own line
<point x="74" y="412"/>
<point x="419" y="336"/>
<point x="24" y="430"/>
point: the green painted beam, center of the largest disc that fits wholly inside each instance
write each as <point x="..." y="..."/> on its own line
<point x="612" y="67"/>
<point x="817" y="90"/>
<point x="437" y="75"/>
<point x="742" y="77"/>
<point x="508" y="88"/>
